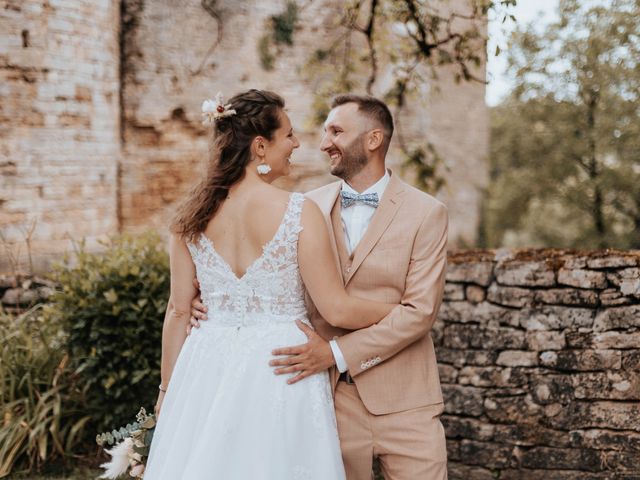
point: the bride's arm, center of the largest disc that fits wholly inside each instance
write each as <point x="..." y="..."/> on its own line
<point x="322" y="278"/>
<point x="178" y="310"/>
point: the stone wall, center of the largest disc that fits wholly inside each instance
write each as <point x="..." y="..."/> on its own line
<point x="539" y="355"/>
<point x="59" y="126"/>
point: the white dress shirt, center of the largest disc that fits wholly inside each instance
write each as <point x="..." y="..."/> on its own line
<point x="355" y="221"/>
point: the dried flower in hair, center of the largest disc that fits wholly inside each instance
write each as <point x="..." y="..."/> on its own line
<point x="213" y="110"/>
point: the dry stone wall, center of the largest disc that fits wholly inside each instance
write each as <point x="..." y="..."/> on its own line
<point x="539" y="355"/>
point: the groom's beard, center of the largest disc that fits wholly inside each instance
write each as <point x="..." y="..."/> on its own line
<point x="353" y="160"/>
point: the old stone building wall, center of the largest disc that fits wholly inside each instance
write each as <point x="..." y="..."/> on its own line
<point x="100" y="114"/>
<point x="59" y="126"/>
<point x="539" y="355"/>
<point x="170" y="67"/>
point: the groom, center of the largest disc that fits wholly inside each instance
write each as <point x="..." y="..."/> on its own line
<point x="390" y="245"/>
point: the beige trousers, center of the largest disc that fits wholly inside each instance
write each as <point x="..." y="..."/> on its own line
<point x="410" y="444"/>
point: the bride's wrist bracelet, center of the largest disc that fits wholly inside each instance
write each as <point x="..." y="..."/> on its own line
<point x="162" y="389"/>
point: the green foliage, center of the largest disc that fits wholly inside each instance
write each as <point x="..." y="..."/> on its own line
<point x="394" y="49"/>
<point x="565" y="150"/>
<point x="41" y="398"/>
<point x="425" y="163"/>
<point x="113" y="305"/>
<point x="279" y="31"/>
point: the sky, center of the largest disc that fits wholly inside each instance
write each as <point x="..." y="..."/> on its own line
<point x="525" y="11"/>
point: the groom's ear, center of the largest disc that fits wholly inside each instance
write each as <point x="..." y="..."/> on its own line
<point x="375" y="138"/>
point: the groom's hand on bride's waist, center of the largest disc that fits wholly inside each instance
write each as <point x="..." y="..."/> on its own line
<point x="303" y="360"/>
<point x="198" y="310"/>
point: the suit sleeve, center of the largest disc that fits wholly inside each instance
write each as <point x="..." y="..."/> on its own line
<point x="414" y="317"/>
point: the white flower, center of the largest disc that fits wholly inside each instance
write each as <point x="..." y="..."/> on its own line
<point x="119" y="462"/>
<point x="213" y="110"/>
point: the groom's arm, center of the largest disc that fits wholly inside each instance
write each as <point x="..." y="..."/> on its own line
<point x="419" y="305"/>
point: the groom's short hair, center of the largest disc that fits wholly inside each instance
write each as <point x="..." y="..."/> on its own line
<point x="372" y="108"/>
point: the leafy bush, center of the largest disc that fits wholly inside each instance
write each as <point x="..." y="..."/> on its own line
<point x="41" y="403"/>
<point x="113" y="305"/>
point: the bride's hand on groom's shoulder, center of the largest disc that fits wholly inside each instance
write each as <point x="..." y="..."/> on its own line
<point x="198" y="309"/>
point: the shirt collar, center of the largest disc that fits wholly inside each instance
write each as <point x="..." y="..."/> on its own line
<point x="377" y="187"/>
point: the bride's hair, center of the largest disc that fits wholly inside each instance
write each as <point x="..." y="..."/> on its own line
<point x="257" y="114"/>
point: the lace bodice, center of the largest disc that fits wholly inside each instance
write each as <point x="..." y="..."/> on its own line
<point x="271" y="290"/>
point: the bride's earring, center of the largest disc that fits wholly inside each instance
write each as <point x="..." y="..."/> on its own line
<point x="263" y="168"/>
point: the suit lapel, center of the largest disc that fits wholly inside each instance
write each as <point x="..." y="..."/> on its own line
<point x="387" y="209"/>
<point x="326" y="204"/>
<point x="338" y="233"/>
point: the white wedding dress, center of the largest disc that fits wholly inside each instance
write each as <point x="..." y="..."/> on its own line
<point x="225" y="414"/>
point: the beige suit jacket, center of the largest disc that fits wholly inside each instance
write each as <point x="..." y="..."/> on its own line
<point x="400" y="259"/>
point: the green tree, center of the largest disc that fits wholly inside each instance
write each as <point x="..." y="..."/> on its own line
<point x="565" y="149"/>
<point x="395" y="48"/>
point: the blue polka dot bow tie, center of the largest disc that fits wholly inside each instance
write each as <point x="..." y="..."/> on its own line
<point x="347" y="199"/>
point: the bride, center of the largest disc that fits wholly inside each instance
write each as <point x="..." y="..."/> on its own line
<point x="254" y="249"/>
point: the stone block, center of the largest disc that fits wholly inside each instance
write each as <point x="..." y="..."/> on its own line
<point x="619" y="340"/>
<point x="463" y="400"/>
<point x="582" y="278"/>
<point x="545" y="340"/>
<point x="631" y="360"/>
<point x="552" y="474"/>
<point x="510" y="296"/>
<point x="482" y="313"/>
<point x="480" y="273"/>
<point x="524" y="435"/>
<point x="582" y="360"/>
<point x="567" y="296"/>
<point x="520" y="410"/>
<point x="617" y="385"/>
<point x="457" y="336"/>
<point x="517" y="358"/>
<point x="453" y="292"/>
<point x="612" y="297"/>
<point x="502" y="338"/>
<point x="491" y="377"/>
<point x="618" y="318"/>
<point x="605" y="439"/>
<point x="562" y="459"/>
<point x="525" y="273"/>
<point x="630" y="287"/>
<point x="550" y="389"/>
<point x="599" y="414"/>
<point x="448" y="373"/>
<point x="459" y="358"/>
<point x="619" y="276"/>
<point x="471" y="428"/>
<point x="615" y="261"/>
<point x="19" y="297"/>
<point x="475" y="294"/>
<point x="458" y="471"/>
<point x="487" y="454"/>
<point x="555" y="318"/>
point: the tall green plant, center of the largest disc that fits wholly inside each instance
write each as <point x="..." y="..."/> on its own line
<point x="42" y="411"/>
<point x="113" y="304"/>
